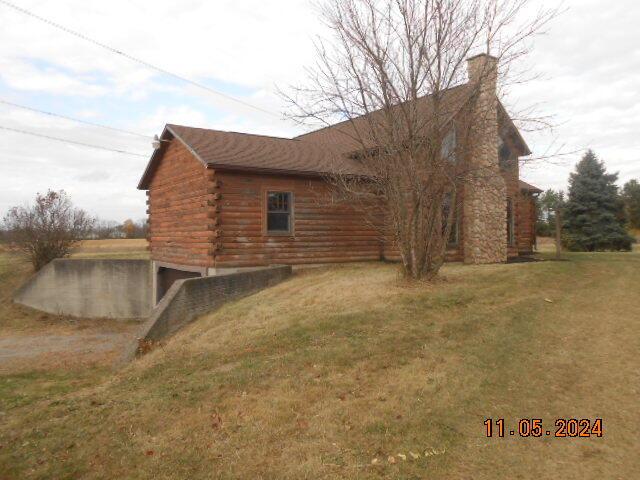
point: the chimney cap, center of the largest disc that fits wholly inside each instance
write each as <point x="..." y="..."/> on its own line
<point x="482" y="55"/>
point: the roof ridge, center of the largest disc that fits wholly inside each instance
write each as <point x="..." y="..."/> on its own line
<point x="365" y="114"/>
<point x="294" y="139"/>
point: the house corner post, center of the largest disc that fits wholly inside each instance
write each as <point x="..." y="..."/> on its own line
<point x="212" y="207"/>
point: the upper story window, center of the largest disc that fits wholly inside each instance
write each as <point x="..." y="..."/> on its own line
<point x="279" y="208"/>
<point x="504" y="154"/>
<point x="448" y="149"/>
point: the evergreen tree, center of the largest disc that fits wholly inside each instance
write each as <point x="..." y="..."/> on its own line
<point x="631" y="197"/>
<point x="594" y="212"/>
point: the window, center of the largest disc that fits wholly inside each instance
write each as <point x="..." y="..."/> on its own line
<point x="448" y="149"/>
<point x="454" y="234"/>
<point x="504" y="153"/>
<point x="511" y="234"/>
<point x="279" y="212"/>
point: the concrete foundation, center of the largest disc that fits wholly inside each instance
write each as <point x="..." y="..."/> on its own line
<point x="127" y="289"/>
<point x="189" y="298"/>
<point x="91" y="288"/>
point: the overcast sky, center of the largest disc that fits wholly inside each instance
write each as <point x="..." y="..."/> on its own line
<point x="589" y="61"/>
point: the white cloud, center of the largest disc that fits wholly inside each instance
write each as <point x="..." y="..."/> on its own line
<point x="182" y="115"/>
<point x="20" y="74"/>
<point x="590" y="58"/>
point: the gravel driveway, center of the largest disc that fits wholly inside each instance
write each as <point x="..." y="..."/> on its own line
<point x="88" y="344"/>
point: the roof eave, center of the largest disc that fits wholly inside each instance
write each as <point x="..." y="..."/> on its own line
<point x="526" y="151"/>
<point x="143" y="184"/>
<point x="276" y="171"/>
<point x="167" y="132"/>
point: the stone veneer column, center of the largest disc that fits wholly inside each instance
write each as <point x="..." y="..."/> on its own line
<point x="485" y="193"/>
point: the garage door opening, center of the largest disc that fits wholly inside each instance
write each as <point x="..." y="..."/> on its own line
<point x="168" y="276"/>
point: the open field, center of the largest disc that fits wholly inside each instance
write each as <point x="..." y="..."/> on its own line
<point x="336" y="367"/>
<point x="120" y="248"/>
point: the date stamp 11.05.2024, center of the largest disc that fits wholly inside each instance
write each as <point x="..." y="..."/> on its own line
<point x="535" y="427"/>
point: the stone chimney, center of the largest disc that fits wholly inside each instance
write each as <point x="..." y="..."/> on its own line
<point x="485" y="193"/>
<point x="483" y="69"/>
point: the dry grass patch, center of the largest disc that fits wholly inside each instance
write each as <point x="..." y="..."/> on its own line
<point x="115" y="248"/>
<point x="322" y="374"/>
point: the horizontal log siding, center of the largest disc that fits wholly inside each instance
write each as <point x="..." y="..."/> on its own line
<point x="526" y="223"/>
<point x="454" y="252"/>
<point x="323" y="231"/>
<point x="179" y="224"/>
<point x="511" y="177"/>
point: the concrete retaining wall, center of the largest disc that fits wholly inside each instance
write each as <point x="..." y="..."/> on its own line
<point x="91" y="288"/>
<point x="187" y="299"/>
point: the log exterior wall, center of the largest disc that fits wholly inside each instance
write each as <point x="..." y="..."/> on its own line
<point x="199" y="217"/>
<point x="179" y="228"/>
<point x="511" y="175"/>
<point x="526" y="224"/>
<point x="524" y="211"/>
<point x="324" y="230"/>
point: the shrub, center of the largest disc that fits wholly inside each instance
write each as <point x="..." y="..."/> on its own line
<point x="48" y="229"/>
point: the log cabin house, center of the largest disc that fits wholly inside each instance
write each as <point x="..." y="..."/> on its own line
<point x="224" y="200"/>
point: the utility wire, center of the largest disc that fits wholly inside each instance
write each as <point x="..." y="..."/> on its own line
<point x="72" y="142"/>
<point x="11" y="104"/>
<point x="135" y="59"/>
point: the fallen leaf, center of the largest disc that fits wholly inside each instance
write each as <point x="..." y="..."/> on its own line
<point x="402" y="456"/>
<point x="149" y="453"/>
<point x="216" y="421"/>
<point x="391" y="459"/>
<point x="375" y="461"/>
<point x="548" y="300"/>
<point x="415" y="456"/>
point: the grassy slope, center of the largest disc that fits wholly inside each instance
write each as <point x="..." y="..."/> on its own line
<point x="316" y="377"/>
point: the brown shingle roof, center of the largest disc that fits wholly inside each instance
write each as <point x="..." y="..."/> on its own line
<point x="528" y="187"/>
<point x="242" y="150"/>
<point x="350" y="135"/>
<point x="320" y="152"/>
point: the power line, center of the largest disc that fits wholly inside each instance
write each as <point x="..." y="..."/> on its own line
<point x="72" y="142"/>
<point x="74" y="119"/>
<point x="135" y="59"/>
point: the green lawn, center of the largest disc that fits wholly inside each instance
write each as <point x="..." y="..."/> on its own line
<point x="335" y="368"/>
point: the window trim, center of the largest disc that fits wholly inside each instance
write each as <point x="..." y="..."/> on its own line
<point x="265" y="212"/>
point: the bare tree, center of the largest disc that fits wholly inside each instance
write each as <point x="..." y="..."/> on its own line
<point x="129" y="228"/>
<point x="392" y="73"/>
<point x="47" y="229"/>
<point x="106" y="229"/>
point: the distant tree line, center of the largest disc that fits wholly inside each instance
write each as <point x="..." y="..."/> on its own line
<point x="596" y="214"/>
<point x="108" y="229"/>
<point x="631" y="200"/>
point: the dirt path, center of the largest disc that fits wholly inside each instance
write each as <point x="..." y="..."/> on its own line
<point x="64" y="348"/>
